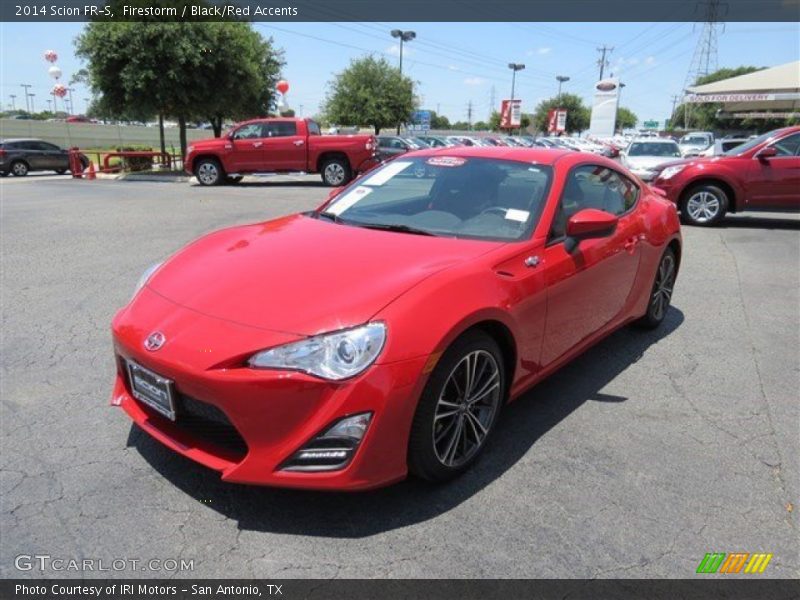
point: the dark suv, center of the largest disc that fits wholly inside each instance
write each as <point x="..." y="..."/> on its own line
<point x="20" y="156"/>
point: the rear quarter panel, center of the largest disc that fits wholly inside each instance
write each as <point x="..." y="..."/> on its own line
<point x="352" y="146"/>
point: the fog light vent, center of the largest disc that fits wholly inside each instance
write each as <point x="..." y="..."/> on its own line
<point x="332" y="449"/>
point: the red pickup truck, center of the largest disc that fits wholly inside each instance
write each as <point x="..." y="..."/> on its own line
<point x="280" y="145"/>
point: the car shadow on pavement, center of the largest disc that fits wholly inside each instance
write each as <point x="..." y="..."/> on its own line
<point x="361" y="514"/>
<point x="279" y="184"/>
<point x="750" y="222"/>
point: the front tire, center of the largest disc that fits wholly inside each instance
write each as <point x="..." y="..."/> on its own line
<point x="661" y="292"/>
<point x="19" y="168"/>
<point x="704" y="205"/>
<point x="336" y="172"/>
<point x="458" y="408"/>
<point x="208" y="171"/>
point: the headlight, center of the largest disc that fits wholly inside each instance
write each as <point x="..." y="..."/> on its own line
<point x="671" y="171"/>
<point x="336" y="356"/>
<point x="148" y="272"/>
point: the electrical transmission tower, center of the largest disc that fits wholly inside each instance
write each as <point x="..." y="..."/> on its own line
<point x="491" y="101"/>
<point x="704" y="60"/>
<point x="603" y="62"/>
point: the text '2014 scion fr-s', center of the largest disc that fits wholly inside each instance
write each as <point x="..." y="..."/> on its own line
<point x="382" y="333"/>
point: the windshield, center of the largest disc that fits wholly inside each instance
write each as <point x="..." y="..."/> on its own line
<point x="448" y="196"/>
<point x="749" y="145"/>
<point x="654" y="149"/>
<point x="695" y="140"/>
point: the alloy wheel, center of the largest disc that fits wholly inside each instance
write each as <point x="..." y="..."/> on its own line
<point x="19" y="169"/>
<point x="703" y="206"/>
<point x="334" y="174"/>
<point x="208" y="173"/>
<point x="466" y="408"/>
<point x="662" y="290"/>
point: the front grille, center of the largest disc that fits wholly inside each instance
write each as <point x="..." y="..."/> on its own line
<point x="201" y="420"/>
<point x="207" y="422"/>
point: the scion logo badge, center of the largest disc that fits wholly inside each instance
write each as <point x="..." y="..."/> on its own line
<point x="154" y="341"/>
<point x="720" y="562"/>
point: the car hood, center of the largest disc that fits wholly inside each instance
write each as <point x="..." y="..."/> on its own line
<point x="303" y="275"/>
<point x="647" y="162"/>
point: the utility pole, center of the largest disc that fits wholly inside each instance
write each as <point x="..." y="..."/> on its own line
<point x="13" y="102"/>
<point x="561" y="79"/>
<point x="49" y="105"/>
<point x="492" y="100"/>
<point x="26" y="87"/>
<point x="603" y="62"/>
<point x="469" y="114"/>
<point x="71" y="105"/>
<point x="31" y="97"/>
<point x="675" y="98"/>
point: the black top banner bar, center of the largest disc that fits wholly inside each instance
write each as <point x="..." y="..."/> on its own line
<point x="399" y="10"/>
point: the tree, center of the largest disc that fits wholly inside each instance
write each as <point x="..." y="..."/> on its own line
<point x="185" y="70"/>
<point x="481" y="126"/>
<point x="578" y="115"/>
<point x="370" y="92"/>
<point x="439" y="121"/>
<point x="626" y="118"/>
<point x="460" y="126"/>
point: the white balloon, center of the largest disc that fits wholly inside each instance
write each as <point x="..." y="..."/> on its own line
<point x="54" y="72"/>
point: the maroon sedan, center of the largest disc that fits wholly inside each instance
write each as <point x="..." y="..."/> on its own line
<point x="762" y="174"/>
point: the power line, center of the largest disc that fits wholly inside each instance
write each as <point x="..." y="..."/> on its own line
<point x="603" y="62"/>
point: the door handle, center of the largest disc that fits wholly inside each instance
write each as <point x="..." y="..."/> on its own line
<point x="298" y="142"/>
<point x="257" y="144"/>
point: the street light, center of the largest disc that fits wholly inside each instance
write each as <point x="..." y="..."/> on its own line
<point x="31" y="96"/>
<point x="403" y="36"/>
<point x="561" y="79"/>
<point x="514" y="68"/>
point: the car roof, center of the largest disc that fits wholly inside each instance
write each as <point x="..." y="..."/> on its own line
<point x="516" y="153"/>
<point x="9" y="140"/>
<point x="652" y="141"/>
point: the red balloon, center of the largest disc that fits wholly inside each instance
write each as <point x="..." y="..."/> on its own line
<point x="59" y="90"/>
<point x="283" y="86"/>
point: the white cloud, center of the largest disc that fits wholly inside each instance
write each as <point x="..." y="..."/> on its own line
<point x="650" y="60"/>
<point x="474" y="81"/>
<point x="544" y="50"/>
<point x="394" y="50"/>
<point x="453" y="68"/>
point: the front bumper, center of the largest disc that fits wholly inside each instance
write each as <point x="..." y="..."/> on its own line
<point x="245" y="423"/>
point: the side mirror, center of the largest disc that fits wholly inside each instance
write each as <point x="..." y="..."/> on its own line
<point x="589" y="223"/>
<point x="767" y="152"/>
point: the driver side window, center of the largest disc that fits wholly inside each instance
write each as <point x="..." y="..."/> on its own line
<point x="593" y="186"/>
<point x="249" y="132"/>
<point x="788" y="146"/>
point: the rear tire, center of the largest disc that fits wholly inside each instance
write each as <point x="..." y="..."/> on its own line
<point x="704" y="205"/>
<point x="336" y="172"/>
<point x="208" y="172"/>
<point x="19" y="168"/>
<point x="661" y="292"/>
<point x="61" y="171"/>
<point x="454" y="419"/>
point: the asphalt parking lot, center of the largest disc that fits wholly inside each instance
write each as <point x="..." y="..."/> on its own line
<point x="646" y="453"/>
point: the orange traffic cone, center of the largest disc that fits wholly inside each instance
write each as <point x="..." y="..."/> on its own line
<point x="90" y="171"/>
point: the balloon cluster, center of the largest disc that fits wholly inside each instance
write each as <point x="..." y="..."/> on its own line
<point x="59" y="90"/>
<point x="282" y="87"/>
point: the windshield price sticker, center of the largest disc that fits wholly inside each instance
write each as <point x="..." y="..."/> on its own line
<point x="446" y="161"/>
<point x="387" y="172"/>
<point x="349" y="199"/>
<point x="513" y="214"/>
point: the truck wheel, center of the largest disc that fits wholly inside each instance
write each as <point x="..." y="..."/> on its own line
<point x="336" y="172"/>
<point x="208" y="171"/>
<point x="704" y="205"/>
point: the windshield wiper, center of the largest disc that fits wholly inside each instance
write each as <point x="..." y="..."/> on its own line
<point x="392" y="227"/>
<point x="330" y="216"/>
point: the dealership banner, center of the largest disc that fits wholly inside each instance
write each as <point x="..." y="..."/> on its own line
<point x="510" y="114"/>
<point x="557" y="120"/>
<point x="604" y="109"/>
<point x="706" y="98"/>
